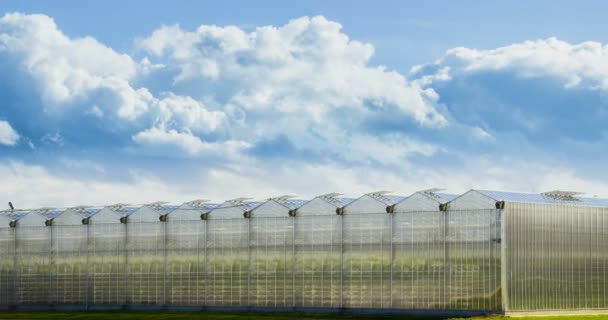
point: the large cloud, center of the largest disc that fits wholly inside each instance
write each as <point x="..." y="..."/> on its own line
<point x="187" y="92"/>
<point x="84" y="88"/>
<point x="574" y="65"/>
<point x="306" y="66"/>
<point x="547" y="90"/>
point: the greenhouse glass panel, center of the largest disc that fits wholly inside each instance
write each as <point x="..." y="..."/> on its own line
<point x="318" y="245"/>
<point x="33" y="265"/>
<point x="7" y="263"/>
<point x="367" y="260"/>
<point x="107" y="268"/>
<point x="272" y="261"/>
<point x="186" y="262"/>
<point x="69" y="265"/>
<point x="556" y="257"/>
<point x="227" y="273"/>
<point x="146" y="263"/>
<point x="420" y="271"/>
<point x="474" y="260"/>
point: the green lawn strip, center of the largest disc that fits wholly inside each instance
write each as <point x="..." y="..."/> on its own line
<point x="196" y="315"/>
<point x="253" y="316"/>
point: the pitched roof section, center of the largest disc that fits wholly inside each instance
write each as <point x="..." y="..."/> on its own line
<point x="50" y="213"/>
<point x="540" y="198"/>
<point x="89" y="212"/>
<point x="445" y="197"/>
<point x="386" y="199"/>
<point x="164" y="209"/>
<point x="124" y="210"/>
<point x="336" y="200"/>
<point x="199" y="205"/>
<point x="289" y="203"/>
<point x="15" y="215"/>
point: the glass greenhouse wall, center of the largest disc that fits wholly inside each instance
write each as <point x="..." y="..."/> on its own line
<point x="557" y="257"/>
<point x="479" y="252"/>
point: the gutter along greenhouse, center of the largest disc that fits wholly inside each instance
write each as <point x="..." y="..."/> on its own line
<point x="482" y="251"/>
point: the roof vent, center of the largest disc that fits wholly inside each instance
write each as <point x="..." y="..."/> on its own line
<point x="432" y="192"/>
<point x="562" y="195"/>
<point x="45" y="212"/>
<point x="284" y="199"/>
<point x="331" y="198"/>
<point x="380" y="195"/>
<point x="199" y="203"/>
<point x="156" y="204"/>
<point x="118" y="206"/>
<point x="238" y="201"/>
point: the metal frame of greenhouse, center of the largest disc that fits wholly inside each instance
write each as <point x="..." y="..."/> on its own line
<point x="430" y="252"/>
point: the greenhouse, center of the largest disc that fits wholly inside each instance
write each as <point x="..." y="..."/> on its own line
<point x="479" y="252"/>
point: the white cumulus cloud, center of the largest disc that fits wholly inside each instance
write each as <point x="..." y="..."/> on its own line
<point x="583" y="64"/>
<point x="307" y="66"/>
<point x="165" y="139"/>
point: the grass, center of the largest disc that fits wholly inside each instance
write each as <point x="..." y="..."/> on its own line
<point x="253" y="316"/>
<point x="194" y="316"/>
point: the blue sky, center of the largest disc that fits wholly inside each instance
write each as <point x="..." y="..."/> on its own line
<point x="117" y="101"/>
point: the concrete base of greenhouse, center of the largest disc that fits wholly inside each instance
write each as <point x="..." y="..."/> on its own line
<point x="370" y="311"/>
<point x="555" y="313"/>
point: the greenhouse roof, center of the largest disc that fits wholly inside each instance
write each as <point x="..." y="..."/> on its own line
<point x="124" y="210"/>
<point x="336" y="200"/>
<point x="445" y="197"/>
<point x="388" y="200"/>
<point x="200" y="205"/>
<point x="89" y="212"/>
<point x="291" y="203"/>
<point x="50" y="214"/>
<point x="250" y="205"/>
<point x="342" y="202"/>
<point x="16" y="214"/>
<point x="165" y="209"/>
<point x="541" y="198"/>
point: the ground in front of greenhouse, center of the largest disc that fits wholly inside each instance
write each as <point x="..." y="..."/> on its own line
<point x="252" y="316"/>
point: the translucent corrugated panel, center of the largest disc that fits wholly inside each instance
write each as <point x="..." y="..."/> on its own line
<point x="420" y="269"/>
<point x="146" y="263"/>
<point x="473" y="260"/>
<point x="69" y="265"/>
<point x="7" y="261"/>
<point x="107" y="268"/>
<point x="557" y="257"/>
<point x="33" y="265"/>
<point x="318" y="269"/>
<point x="227" y="252"/>
<point x="272" y="261"/>
<point x="186" y="262"/>
<point x="367" y="261"/>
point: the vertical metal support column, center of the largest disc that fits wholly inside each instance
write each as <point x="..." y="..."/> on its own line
<point x="165" y="264"/>
<point x="446" y="261"/>
<point x="392" y="248"/>
<point x="13" y="289"/>
<point x="294" y="261"/>
<point x="88" y="286"/>
<point x="126" y="300"/>
<point x="342" y="306"/>
<point x="50" y="301"/>
<point x="249" y="264"/>
<point x="206" y="294"/>
<point x="504" y="279"/>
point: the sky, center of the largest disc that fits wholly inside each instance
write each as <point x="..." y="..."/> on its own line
<point x="104" y="102"/>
